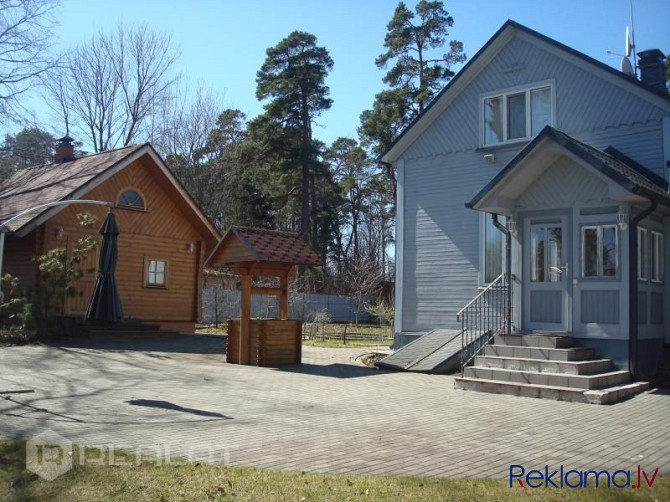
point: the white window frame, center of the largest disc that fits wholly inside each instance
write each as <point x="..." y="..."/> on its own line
<point x="642" y="271"/>
<point x="482" y="247"/>
<point x="599" y="266"/>
<point x="504" y="95"/>
<point x="147" y="274"/>
<point x="656" y="257"/>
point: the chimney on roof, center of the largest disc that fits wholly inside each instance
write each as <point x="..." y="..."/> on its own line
<point x="64" y="150"/>
<point x="652" y="68"/>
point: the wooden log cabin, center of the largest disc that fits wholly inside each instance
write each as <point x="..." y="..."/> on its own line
<point x="163" y="241"/>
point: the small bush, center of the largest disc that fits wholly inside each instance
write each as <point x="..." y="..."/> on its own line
<point x="16" y="337"/>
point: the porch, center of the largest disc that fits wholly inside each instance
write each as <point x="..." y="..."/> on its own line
<point x="583" y="238"/>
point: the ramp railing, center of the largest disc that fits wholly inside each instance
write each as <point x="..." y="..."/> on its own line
<point x="488" y="314"/>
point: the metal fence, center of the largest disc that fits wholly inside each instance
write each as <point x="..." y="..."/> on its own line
<point x="219" y="304"/>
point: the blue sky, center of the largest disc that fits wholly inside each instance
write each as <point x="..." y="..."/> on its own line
<point x="223" y="42"/>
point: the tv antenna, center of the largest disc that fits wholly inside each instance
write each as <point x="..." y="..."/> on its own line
<point x="626" y="66"/>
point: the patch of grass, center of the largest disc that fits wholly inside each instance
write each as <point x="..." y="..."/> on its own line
<point x="212" y="329"/>
<point x="345" y="335"/>
<point x="148" y="480"/>
<point x="335" y="328"/>
<point x="339" y="344"/>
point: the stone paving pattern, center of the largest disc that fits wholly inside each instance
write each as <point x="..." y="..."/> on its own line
<point x="330" y="414"/>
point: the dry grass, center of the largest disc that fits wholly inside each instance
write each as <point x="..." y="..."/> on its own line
<point x="149" y="481"/>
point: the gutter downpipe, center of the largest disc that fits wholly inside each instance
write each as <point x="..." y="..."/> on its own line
<point x="508" y="270"/>
<point x="633" y="289"/>
<point x="3" y="225"/>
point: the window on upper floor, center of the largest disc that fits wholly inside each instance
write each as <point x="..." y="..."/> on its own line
<point x="516" y="115"/>
<point x="131" y="199"/>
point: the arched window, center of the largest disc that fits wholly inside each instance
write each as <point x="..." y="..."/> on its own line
<point x="132" y="199"/>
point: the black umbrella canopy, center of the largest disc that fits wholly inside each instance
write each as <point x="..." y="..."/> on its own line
<point x="105" y="304"/>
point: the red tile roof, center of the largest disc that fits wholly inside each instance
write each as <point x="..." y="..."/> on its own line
<point x="269" y="246"/>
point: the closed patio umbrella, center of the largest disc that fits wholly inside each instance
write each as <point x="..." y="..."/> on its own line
<point x="105" y="304"/>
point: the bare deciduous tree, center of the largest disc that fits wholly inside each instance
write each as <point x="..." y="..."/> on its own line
<point x="362" y="278"/>
<point x="25" y="32"/>
<point x="112" y="87"/>
<point x="183" y="126"/>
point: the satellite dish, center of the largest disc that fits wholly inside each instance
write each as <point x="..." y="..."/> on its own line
<point x="629" y="45"/>
<point x="626" y="67"/>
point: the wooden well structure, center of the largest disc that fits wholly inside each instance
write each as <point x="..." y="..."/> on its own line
<point x="255" y="252"/>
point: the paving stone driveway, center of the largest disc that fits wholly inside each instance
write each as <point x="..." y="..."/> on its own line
<point x="178" y="397"/>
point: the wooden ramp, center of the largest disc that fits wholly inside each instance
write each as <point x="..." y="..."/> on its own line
<point x="435" y="352"/>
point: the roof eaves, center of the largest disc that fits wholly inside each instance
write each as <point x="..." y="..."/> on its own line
<point x="513" y="24"/>
<point x="28" y="226"/>
<point x="546" y="132"/>
<point x="245" y="242"/>
<point x="595" y="62"/>
<point x="185" y="193"/>
<point x="637" y="167"/>
<point x="509" y="23"/>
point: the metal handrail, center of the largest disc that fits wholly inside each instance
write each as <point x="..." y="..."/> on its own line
<point x="485" y="316"/>
<point x="490" y="286"/>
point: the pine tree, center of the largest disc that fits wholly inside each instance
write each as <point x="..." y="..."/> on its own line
<point x="293" y="79"/>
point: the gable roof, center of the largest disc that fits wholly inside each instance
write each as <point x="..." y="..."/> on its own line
<point x="477" y="62"/>
<point x="262" y="246"/>
<point x="614" y="165"/>
<point x="37" y="185"/>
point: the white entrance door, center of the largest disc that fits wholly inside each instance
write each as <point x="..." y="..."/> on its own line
<point x="547" y="274"/>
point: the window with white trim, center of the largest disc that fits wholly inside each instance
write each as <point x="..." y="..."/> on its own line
<point x="130" y="199"/>
<point x="516" y="115"/>
<point x="656" y="256"/>
<point x="642" y="254"/>
<point x="493" y="249"/>
<point x="600" y="246"/>
<point x="156" y="273"/>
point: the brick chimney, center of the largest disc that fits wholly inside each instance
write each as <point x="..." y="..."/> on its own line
<point x="652" y="68"/>
<point x="64" y="150"/>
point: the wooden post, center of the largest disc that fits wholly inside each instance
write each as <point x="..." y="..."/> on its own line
<point x="283" y="297"/>
<point x="245" y="320"/>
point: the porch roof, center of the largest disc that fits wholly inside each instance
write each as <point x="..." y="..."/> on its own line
<point x="627" y="174"/>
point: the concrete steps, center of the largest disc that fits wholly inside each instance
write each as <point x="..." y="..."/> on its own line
<point x="598" y="381"/>
<point x="588" y="367"/>
<point x="549" y="354"/>
<point x="547" y="366"/>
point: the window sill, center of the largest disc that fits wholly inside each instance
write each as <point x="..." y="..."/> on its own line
<point x="504" y="146"/>
<point x="133" y="209"/>
<point x="155" y="286"/>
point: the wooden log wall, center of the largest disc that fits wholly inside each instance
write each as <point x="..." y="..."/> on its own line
<point x="272" y="342"/>
<point x="165" y="231"/>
